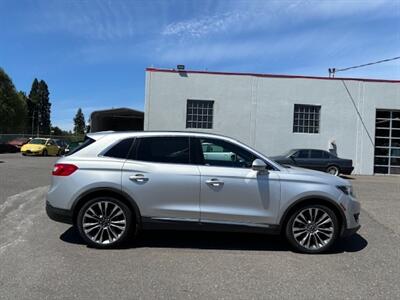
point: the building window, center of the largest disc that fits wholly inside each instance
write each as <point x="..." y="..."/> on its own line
<point x="199" y="114"/>
<point x="306" y="118"/>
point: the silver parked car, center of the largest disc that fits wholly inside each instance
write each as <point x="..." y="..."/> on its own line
<point x="115" y="184"/>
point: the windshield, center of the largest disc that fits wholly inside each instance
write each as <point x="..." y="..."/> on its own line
<point x="38" y="141"/>
<point x="290" y="152"/>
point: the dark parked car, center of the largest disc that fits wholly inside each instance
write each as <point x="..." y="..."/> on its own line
<point x="7" y="148"/>
<point x="62" y="145"/>
<point x="19" y="142"/>
<point x="315" y="159"/>
<point x="71" y="146"/>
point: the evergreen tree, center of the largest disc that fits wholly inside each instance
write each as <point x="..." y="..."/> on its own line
<point x="44" y="108"/>
<point x="32" y="107"/>
<point x="22" y="116"/>
<point x="12" y="107"/>
<point x="57" y="131"/>
<point x="79" y="122"/>
<point x="39" y="108"/>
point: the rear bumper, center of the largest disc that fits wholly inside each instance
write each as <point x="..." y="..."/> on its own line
<point x="59" y="215"/>
<point x="346" y="170"/>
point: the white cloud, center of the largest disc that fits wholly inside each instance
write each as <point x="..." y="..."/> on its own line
<point x="238" y="16"/>
<point x="198" y="27"/>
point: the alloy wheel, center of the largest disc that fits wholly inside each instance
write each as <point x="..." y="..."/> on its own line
<point x="333" y="170"/>
<point x="104" y="222"/>
<point x="313" y="228"/>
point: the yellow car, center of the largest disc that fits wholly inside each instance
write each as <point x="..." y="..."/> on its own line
<point x="41" y="146"/>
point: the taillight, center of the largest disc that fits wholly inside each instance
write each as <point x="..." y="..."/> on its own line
<point x="64" y="169"/>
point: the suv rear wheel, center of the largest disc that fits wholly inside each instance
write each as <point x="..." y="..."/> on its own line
<point x="312" y="229"/>
<point x="105" y="222"/>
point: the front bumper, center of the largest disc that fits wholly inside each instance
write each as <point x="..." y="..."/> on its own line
<point x="29" y="152"/>
<point x="352" y="209"/>
<point x="350" y="231"/>
<point x="58" y="214"/>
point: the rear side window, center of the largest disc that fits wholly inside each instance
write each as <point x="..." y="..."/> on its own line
<point x="301" y="154"/>
<point x="84" y="144"/>
<point x="174" y="150"/>
<point x="121" y="149"/>
<point x="317" y="154"/>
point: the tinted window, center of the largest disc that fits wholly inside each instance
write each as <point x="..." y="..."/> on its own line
<point x="301" y="154"/>
<point x="317" y="154"/>
<point x="174" y="150"/>
<point x="85" y="143"/>
<point x="121" y="149"/>
<point x="223" y="154"/>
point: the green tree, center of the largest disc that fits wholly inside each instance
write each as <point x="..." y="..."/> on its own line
<point x="79" y="122"/>
<point x="57" y="131"/>
<point x="32" y="107"/>
<point x="39" y="108"/>
<point x="44" y="108"/>
<point x="12" y="106"/>
<point x="22" y="116"/>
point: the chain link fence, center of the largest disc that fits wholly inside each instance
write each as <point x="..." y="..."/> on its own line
<point x="5" y="138"/>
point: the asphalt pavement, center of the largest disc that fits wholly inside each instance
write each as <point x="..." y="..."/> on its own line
<point x="20" y="173"/>
<point x="41" y="259"/>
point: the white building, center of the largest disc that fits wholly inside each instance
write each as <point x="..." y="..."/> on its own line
<point x="275" y="113"/>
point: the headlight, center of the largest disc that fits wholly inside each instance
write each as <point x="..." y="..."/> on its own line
<point x="347" y="189"/>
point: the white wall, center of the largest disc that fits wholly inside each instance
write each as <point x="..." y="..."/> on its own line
<point x="259" y="110"/>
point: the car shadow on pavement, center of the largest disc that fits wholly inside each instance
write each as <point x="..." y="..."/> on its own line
<point x="217" y="241"/>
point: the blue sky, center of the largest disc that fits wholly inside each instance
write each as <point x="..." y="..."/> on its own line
<point x="93" y="53"/>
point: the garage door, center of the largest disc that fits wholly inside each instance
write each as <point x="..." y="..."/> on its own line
<point x="387" y="142"/>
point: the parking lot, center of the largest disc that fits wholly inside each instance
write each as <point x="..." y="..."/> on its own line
<point x="43" y="259"/>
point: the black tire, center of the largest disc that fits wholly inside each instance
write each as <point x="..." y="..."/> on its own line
<point x="129" y="219"/>
<point x="333" y="170"/>
<point x="44" y="153"/>
<point x="320" y="247"/>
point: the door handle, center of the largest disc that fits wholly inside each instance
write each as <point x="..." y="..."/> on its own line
<point x="215" y="182"/>
<point x="138" y="178"/>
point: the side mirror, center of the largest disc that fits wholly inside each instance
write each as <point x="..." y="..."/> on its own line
<point x="258" y="165"/>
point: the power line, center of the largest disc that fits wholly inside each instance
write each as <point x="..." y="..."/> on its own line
<point x="333" y="71"/>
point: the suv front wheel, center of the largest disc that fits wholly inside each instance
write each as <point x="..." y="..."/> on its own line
<point x="312" y="229"/>
<point x="104" y="222"/>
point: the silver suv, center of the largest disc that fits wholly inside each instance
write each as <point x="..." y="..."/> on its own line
<point x="115" y="184"/>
